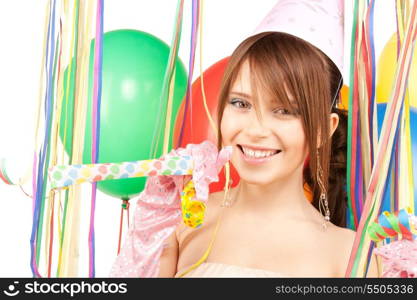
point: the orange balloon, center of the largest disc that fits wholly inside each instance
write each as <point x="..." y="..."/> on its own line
<point x="344" y="94"/>
<point x="196" y="127"/>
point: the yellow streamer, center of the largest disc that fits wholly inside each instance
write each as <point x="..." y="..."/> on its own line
<point x="71" y="234"/>
<point x="203" y="92"/>
<point x="71" y="34"/>
<point x="42" y="84"/>
<point x="375" y="196"/>
<point x="227" y="165"/>
<point x="168" y="116"/>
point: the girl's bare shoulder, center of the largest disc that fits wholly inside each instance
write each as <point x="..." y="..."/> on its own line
<point x="343" y="234"/>
<point x="343" y="239"/>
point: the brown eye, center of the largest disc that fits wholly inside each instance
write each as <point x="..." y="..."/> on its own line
<point x="282" y="111"/>
<point x="239" y="103"/>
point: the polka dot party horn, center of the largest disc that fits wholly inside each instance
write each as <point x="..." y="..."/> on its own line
<point x="388" y="225"/>
<point x="63" y="176"/>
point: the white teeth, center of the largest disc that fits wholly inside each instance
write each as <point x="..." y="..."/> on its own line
<point x="257" y="153"/>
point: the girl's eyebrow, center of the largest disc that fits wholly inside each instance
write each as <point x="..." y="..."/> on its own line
<point x="240" y="94"/>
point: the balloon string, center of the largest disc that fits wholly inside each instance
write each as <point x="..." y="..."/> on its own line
<point x="125" y="206"/>
<point x="120" y="231"/>
<point x="128" y="216"/>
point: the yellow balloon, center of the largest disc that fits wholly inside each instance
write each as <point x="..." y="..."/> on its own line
<point x="386" y="67"/>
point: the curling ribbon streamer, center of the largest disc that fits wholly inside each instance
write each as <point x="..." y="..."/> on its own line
<point x="3" y="174"/>
<point x="399" y="257"/>
<point x="391" y="225"/>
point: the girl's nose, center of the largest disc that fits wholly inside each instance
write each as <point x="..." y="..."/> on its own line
<point x="257" y="127"/>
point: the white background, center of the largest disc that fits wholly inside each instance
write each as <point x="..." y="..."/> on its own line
<point x="226" y="23"/>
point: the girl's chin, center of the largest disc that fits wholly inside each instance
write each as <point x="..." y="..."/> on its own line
<point x="256" y="179"/>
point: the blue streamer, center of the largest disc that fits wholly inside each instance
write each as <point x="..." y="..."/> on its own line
<point x="372" y="99"/>
<point x="48" y="100"/>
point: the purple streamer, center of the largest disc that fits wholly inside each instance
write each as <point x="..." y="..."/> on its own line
<point x="42" y="154"/>
<point x="372" y="55"/>
<point x="98" y="60"/>
<point x="398" y="30"/>
<point x="358" y="175"/>
<point x="35" y="161"/>
<point x="188" y="98"/>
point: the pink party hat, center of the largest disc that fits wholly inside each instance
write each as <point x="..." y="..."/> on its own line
<point x="319" y="22"/>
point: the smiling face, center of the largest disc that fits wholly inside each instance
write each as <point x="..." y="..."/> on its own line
<point x="267" y="136"/>
<point x="274" y="103"/>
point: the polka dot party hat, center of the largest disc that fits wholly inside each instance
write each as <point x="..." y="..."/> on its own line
<point x="319" y="22"/>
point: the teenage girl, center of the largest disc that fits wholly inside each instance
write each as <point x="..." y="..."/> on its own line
<point x="278" y="110"/>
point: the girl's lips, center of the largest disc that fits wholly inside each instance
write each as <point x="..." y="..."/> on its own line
<point x="256" y="148"/>
<point x="257" y="161"/>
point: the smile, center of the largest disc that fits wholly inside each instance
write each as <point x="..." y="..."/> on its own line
<point x="256" y="156"/>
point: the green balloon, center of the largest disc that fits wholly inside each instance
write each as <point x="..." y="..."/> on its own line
<point x="133" y="71"/>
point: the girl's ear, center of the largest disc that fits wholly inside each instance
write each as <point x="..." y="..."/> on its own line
<point x="334" y="122"/>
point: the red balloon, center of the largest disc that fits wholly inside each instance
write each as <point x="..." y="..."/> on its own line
<point x="196" y="127"/>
